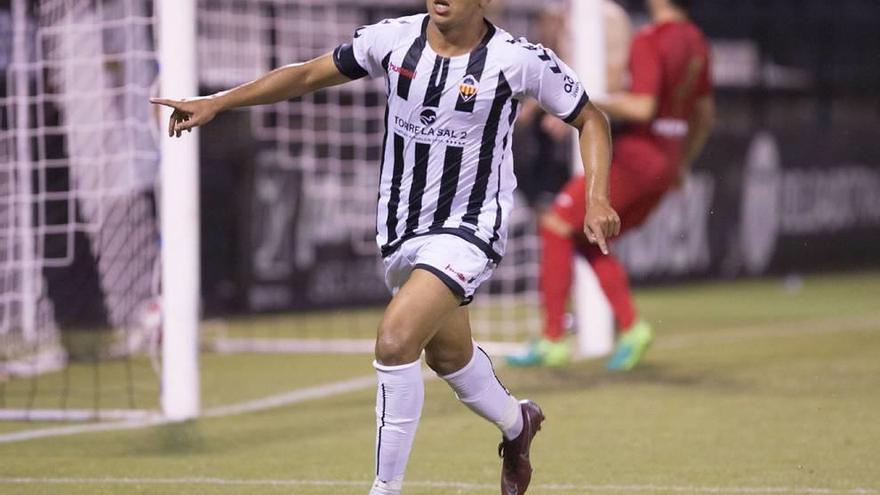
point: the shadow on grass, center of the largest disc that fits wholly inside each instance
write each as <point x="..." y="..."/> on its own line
<point x="173" y="439"/>
<point x="592" y="377"/>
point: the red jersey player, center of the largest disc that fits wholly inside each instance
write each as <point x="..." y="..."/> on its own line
<point x="667" y="116"/>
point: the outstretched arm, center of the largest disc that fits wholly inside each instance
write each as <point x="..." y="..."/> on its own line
<point x="281" y="84"/>
<point x="601" y="222"/>
<point x="629" y="107"/>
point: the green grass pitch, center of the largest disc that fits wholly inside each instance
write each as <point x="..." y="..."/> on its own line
<point x="750" y="389"/>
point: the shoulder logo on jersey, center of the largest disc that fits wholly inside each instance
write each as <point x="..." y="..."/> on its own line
<point x="469" y="88"/>
<point x="428" y="117"/>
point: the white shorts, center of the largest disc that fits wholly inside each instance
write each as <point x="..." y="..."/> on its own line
<point x="462" y="266"/>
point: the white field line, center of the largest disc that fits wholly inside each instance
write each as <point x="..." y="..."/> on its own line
<point x="271" y="402"/>
<point x="449" y="485"/>
<point x="721" y="336"/>
<point x="74" y="414"/>
<point x="61" y="431"/>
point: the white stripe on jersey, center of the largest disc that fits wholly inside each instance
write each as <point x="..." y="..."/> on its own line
<point x="447" y="165"/>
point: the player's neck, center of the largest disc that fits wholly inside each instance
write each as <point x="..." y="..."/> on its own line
<point x="452" y="41"/>
<point x="669" y="15"/>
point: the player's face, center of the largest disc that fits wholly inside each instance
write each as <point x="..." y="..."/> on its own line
<point x="447" y="13"/>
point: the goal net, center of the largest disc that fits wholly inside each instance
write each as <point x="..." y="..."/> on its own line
<point x="78" y="234"/>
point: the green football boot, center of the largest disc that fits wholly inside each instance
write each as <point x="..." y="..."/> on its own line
<point x="631" y="347"/>
<point x="542" y="352"/>
<point x="557" y="355"/>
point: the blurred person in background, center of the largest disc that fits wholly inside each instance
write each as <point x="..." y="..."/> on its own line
<point x="666" y="117"/>
<point x="543" y="144"/>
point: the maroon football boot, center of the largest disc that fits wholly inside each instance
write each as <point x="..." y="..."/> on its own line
<point x="516" y="469"/>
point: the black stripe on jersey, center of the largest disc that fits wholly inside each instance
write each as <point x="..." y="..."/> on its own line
<point x="417" y="190"/>
<point x="496" y="234"/>
<point x="347" y="64"/>
<point x="476" y="64"/>
<point x="487" y="152"/>
<point x="396" y="179"/>
<point x="382" y="158"/>
<point x="577" y="109"/>
<point x="407" y="72"/>
<point x="435" y="86"/>
<point x="385" y="62"/>
<point x="448" y="185"/>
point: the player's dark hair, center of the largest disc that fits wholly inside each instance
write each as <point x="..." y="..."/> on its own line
<point x="684" y="5"/>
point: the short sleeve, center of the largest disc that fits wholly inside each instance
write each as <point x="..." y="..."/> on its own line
<point x="553" y="84"/>
<point x="645" y="68"/>
<point x="363" y="56"/>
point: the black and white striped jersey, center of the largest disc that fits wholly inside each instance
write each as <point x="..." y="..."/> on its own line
<point x="446" y="160"/>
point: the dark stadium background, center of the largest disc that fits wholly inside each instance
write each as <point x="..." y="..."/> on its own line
<point x="808" y="82"/>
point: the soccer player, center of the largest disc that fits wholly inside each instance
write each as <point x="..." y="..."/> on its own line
<point x="667" y="115"/>
<point x="454" y="83"/>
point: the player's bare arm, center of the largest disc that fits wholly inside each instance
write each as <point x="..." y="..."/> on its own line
<point x="700" y="125"/>
<point x="281" y="84"/>
<point x="601" y="222"/>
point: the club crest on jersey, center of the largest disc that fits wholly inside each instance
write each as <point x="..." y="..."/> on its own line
<point x="469" y="88"/>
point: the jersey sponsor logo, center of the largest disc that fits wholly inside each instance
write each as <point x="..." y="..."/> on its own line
<point x="403" y="71"/>
<point x="421" y="133"/>
<point x="428" y="117"/>
<point x="469" y="88"/>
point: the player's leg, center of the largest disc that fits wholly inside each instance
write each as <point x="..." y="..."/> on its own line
<point x="468" y="370"/>
<point x="415" y="314"/>
<point x="557" y="228"/>
<point x="561" y="235"/>
<point x="634" y="334"/>
<point x="456" y="358"/>
<point x="557" y="250"/>
<point x="609" y="271"/>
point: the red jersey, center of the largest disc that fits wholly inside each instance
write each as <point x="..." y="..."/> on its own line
<point x="669" y="61"/>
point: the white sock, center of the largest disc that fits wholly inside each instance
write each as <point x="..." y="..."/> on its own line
<point x="399" y="400"/>
<point x="477" y="386"/>
<point x="386" y="487"/>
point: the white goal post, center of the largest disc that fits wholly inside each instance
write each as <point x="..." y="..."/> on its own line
<point x="595" y="323"/>
<point x="179" y="191"/>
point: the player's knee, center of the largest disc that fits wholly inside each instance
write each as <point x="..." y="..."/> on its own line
<point x="445" y="362"/>
<point x="393" y="348"/>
